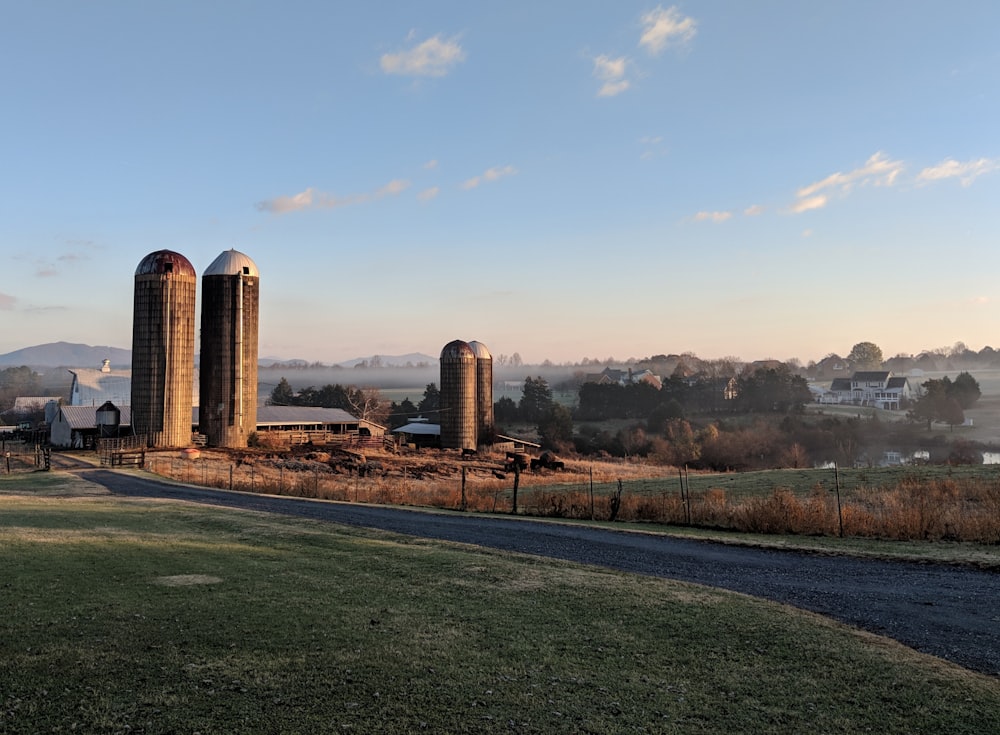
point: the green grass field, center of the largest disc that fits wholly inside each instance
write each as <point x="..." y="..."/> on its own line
<point x="158" y="617"/>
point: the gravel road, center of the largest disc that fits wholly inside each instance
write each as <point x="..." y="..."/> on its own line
<point x="947" y="611"/>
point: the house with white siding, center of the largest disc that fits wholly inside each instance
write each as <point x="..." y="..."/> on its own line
<point x="875" y="388"/>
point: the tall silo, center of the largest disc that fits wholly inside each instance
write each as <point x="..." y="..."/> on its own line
<point x="485" y="428"/>
<point x="163" y="348"/>
<point x="227" y="389"/>
<point x="458" y="396"/>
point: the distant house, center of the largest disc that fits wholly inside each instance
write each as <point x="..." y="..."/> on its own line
<point x="876" y="388"/>
<point x="612" y="376"/>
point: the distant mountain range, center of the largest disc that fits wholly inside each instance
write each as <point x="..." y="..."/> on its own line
<point x="68" y="354"/>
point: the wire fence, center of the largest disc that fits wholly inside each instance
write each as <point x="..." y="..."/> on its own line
<point x="20" y="456"/>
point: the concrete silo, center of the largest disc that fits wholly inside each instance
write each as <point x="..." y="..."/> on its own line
<point x="227" y="388"/>
<point x="485" y="428"/>
<point x="163" y="349"/>
<point x="458" y="396"/>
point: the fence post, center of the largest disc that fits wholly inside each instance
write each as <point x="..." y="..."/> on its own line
<point x="591" y="492"/>
<point x="463" y="488"/>
<point x="840" y="513"/>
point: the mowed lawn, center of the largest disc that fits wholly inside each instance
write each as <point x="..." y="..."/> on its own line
<point x="145" y="616"/>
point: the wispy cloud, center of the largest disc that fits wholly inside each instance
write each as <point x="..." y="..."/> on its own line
<point x="809" y="203"/>
<point x="492" y="174"/>
<point x="435" y="57"/>
<point x="966" y="172"/>
<point x="7" y="302"/>
<point x="712" y="216"/>
<point x="313" y="199"/>
<point x="427" y="194"/>
<point x="878" y="170"/>
<point x="432" y="164"/>
<point x="611" y="73"/>
<point x="662" y="28"/>
<point x="753" y="210"/>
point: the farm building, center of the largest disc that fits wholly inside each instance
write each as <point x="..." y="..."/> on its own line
<point x="420" y="433"/>
<point x="311" y="424"/>
<point x="25" y="405"/>
<point x="92" y="386"/>
<point x="77" y="427"/>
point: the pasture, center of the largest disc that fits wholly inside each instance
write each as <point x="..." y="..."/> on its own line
<point x="158" y="617"/>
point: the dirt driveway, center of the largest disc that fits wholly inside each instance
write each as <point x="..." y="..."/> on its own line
<point x="946" y="611"/>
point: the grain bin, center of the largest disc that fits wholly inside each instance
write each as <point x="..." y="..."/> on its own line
<point x="108" y="419"/>
<point x="485" y="428"/>
<point x="458" y="396"/>
<point x="163" y="348"/>
<point x="227" y="387"/>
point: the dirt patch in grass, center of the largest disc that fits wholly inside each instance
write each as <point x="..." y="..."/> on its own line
<point x="186" y="580"/>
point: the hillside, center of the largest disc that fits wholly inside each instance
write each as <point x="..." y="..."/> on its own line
<point x="69" y="354"/>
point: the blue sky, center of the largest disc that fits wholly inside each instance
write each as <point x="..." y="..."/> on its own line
<point x="560" y="179"/>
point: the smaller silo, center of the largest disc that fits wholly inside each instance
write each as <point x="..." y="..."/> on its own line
<point x="485" y="428"/>
<point x="458" y="396"/>
<point x="108" y="420"/>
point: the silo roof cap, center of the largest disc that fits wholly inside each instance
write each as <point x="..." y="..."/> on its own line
<point x="480" y="350"/>
<point x="457" y="350"/>
<point x="232" y="263"/>
<point x="165" y="261"/>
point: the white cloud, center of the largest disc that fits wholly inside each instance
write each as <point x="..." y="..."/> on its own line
<point x="712" y="216"/>
<point x="427" y="194"/>
<point x="753" y="210"/>
<point x="612" y="73"/>
<point x="662" y="28"/>
<point x="434" y="57"/>
<point x="432" y="164"/>
<point x="492" y="174"/>
<point x="878" y="170"/>
<point x="7" y="302"/>
<point x="965" y="172"/>
<point x="313" y="199"/>
<point x="804" y="205"/>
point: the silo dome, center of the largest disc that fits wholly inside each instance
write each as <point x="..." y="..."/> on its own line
<point x="165" y="261"/>
<point x="232" y="263"/>
<point x="480" y="351"/>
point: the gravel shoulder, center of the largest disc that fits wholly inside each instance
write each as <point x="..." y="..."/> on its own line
<point x="946" y="611"/>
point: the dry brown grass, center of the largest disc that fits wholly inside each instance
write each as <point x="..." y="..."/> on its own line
<point x="949" y="509"/>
